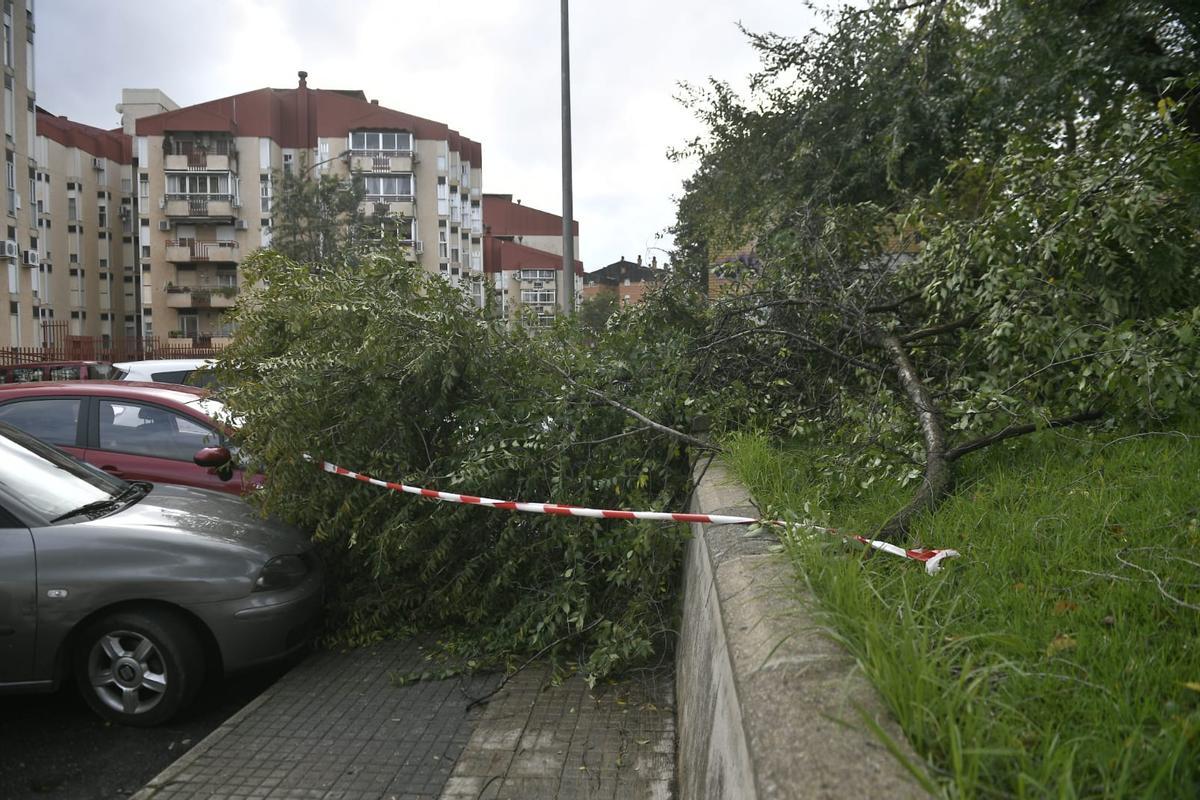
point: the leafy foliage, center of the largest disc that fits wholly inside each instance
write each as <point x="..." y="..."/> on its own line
<point x="387" y="370"/>
<point x="319" y="220"/>
<point x="966" y="217"/>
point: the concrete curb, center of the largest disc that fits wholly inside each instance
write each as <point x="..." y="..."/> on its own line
<point x="768" y="705"/>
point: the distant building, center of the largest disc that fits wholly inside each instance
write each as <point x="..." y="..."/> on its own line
<point x="205" y="191"/>
<point x="625" y="280"/>
<point x="523" y="253"/>
<point x="85" y="276"/>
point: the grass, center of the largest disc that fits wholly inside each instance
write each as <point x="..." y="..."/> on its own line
<point x="1060" y="656"/>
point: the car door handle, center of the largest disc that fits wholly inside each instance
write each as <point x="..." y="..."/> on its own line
<point x="111" y="470"/>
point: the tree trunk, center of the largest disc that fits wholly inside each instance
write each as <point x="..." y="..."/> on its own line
<point x="938" y="477"/>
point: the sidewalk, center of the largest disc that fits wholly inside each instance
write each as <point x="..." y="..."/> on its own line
<point x="337" y="728"/>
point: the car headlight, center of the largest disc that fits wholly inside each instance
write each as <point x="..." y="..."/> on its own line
<point x="281" y="572"/>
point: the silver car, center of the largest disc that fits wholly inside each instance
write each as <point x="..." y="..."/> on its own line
<point x="137" y="589"/>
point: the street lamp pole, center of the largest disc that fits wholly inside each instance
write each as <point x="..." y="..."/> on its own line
<point x="568" y="266"/>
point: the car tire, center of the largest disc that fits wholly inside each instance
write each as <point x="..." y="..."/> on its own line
<point x="138" y="667"/>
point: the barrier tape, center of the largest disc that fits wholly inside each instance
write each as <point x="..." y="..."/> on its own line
<point x="931" y="558"/>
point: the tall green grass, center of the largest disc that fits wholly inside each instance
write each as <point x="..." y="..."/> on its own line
<point x="1060" y="656"/>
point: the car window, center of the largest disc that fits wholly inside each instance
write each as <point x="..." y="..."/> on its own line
<point x="52" y="419"/>
<point x="101" y="372"/>
<point x="27" y="374"/>
<point x="149" y="430"/>
<point x="68" y="373"/>
<point x="174" y="376"/>
<point x="48" y="481"/>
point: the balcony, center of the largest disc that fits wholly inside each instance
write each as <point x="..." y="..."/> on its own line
<point x="191" y="250"/>
<point x="198" y="206"/>
<point x="197" y="162"/>
<point x="381" y="161"/>
<point x="201" y="297"/>
<point x="390" y="206"/>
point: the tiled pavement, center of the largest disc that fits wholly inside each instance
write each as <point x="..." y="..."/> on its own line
<point x="337" y="728"/>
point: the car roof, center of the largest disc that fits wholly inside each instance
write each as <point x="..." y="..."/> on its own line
<point x="63" y="363"/>
<point x="167" y="363"/>
<point x="130" y="390"/>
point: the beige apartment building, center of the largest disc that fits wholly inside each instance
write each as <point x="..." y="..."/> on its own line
<point x="85" y="282"/>
<point x="204" y="192"/>
<point x="523" y="258"/>
<point x="21" y="242"/>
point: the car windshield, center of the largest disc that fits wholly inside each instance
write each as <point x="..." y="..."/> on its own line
<point x="51" y="483"/>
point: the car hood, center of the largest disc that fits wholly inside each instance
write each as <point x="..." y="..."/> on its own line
<point x="208" y="515"/>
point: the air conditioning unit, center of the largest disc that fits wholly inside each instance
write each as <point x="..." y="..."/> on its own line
<point x="98" y="163"/>
<point x="11" y="250"/>
<point x="164" y="224"/>
<point x="242" y="225"/>
<point x="31" y="258"/>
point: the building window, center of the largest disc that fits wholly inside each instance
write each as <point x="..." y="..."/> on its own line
<point x="198" y="183"/>
<point x="535" y="296"/>
<point x="384" y="143"/>
<point x="264" y="192"/>
<point x="389" y="188"/>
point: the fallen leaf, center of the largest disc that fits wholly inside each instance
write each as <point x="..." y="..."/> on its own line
<point x="1193" y="685"/>
<point x="1018" y="586"/>
<point x="1064" y="607"/>
<point x="1060" y="643"/>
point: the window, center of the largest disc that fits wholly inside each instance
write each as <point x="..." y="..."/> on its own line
<point x="389" y="188"/>
<point x="264" y="192"/>
<point x="537" y="296"/>
<point x="535" y="275"/>
<point x="53" y="420"/>
<point x="381" y="141"/>
<point x="152" y="431"/>
<point x="203" y="183"/>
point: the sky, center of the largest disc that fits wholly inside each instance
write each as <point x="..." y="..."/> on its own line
<point x="490" y="69"/>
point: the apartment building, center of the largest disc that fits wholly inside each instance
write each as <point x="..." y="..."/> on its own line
<point x="523" y="255"/>
<point x="84" y="283"/>
<point x="21" y="243"/>
<point x="627" y="281"/>
<point x="204" y="192"/>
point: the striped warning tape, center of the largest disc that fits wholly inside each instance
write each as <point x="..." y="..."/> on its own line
<point x="930" y="557"/>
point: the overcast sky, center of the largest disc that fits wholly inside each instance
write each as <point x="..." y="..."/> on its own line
<point x="488" y="68"/>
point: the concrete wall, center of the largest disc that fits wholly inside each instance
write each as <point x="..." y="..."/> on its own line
<point x="768" y="705"/>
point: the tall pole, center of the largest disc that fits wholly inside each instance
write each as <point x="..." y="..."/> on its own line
<point x="567" y="284"/>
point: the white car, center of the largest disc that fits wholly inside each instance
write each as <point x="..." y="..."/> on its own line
<point x="191" y="371"/>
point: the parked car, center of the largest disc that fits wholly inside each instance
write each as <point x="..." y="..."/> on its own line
<point x="55" y="371"/>
<point x="190" y="371"/>
<point x="136" y="588"/>
<point x="133" y="431"/>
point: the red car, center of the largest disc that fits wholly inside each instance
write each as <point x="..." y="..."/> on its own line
<point x="135" y="431"/>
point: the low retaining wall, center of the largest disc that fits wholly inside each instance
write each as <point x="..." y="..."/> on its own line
<point x="768" y="705"/>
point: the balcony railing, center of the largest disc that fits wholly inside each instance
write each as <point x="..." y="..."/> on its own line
<point x="187" y="250"/>
<point x="201" y="297"/>
<point x="198" y="205"/>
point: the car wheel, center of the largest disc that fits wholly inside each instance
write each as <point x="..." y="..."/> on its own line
<point x="139" y="667"/>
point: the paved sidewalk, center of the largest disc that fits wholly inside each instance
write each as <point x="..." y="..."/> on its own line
<point x="337" y="728"/>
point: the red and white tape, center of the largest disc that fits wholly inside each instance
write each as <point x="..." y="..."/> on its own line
<point x="931" y="558"/>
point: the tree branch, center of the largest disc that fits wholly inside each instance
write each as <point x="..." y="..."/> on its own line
<point x="937" y="330"/>
<point x="1018" y="430"/>
<point x="642" y="418"/>
<point x="880" y="309"/>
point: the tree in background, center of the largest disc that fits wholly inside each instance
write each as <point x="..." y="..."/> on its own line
<point x="320" y="220"/>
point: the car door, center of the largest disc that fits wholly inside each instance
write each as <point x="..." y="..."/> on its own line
<point x="140" y="441"/>
<point x="57" y="420"/>
<point x="18" y="600"/>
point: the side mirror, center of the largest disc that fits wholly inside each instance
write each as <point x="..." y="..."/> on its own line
<point x="217" y="460"/>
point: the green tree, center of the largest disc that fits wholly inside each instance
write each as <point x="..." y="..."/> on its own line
<point x="948" y="255"/>
<point x="319" y="220"/>
<point x="386" y="369"/>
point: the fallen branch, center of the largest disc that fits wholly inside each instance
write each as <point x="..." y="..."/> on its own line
<point x="1018" y="430"/>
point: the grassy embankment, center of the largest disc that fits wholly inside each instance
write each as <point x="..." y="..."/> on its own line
<point x="1060" y="656"/>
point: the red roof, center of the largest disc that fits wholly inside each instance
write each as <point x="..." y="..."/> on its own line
<point x="113" y="145"/>
<point x="297" y="117"/>
<point x="503" y="217"/>
<point x="501" y="255"/>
